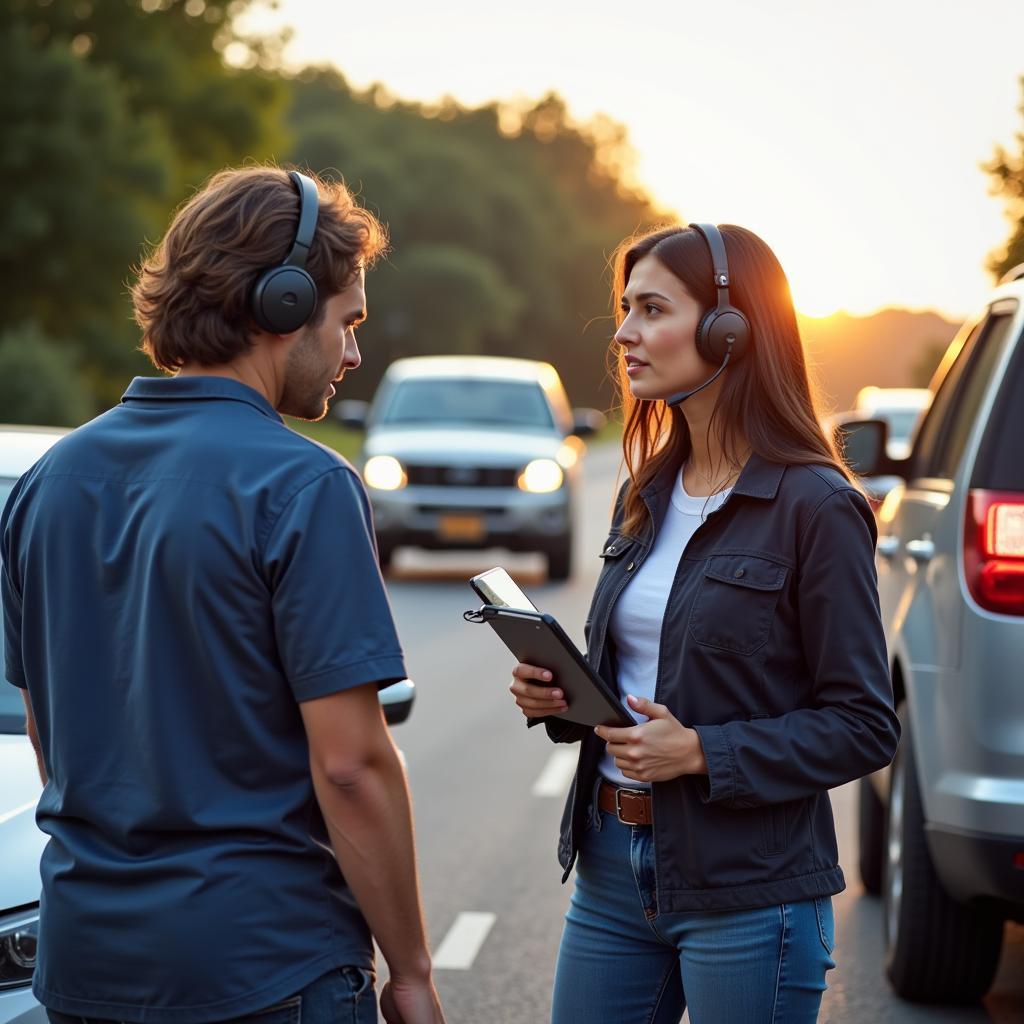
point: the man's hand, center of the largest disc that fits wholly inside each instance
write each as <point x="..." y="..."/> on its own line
<point x="410" y="1002"/>
<point x="661" y="748"/>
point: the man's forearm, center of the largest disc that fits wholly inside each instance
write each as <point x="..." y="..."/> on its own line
<point x="369" y="822"/>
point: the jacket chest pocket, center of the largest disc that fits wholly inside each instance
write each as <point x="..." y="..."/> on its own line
<point x="735" y="602"/>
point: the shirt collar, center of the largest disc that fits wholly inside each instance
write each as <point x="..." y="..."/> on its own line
<point x="192" y="388"/>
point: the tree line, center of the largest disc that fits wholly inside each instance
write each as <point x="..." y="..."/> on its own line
<point x="501" y="217"/>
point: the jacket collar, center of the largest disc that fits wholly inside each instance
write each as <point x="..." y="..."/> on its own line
<point x="759" y="478"/>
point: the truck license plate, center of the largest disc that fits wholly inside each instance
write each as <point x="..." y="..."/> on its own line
<point x="464" y="527"/>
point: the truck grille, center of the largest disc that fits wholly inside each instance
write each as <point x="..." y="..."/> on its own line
<point x="461" y="476"/>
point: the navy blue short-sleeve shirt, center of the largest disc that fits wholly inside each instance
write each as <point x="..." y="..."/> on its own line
<point x="178" y="575"/>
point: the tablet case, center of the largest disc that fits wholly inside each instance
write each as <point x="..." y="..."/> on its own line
<point x="535" y="638"/>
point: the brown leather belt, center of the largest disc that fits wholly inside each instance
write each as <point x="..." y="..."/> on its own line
<point x="630" y="806"/>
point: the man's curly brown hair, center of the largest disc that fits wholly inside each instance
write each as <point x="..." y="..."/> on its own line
<point x="193" y="291"/>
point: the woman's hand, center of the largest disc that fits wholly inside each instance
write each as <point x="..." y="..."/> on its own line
<point x="536" y="701"/>
<point x="660" y="749"/>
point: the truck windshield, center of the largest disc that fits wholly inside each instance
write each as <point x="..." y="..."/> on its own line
<point x="519" y="405"/>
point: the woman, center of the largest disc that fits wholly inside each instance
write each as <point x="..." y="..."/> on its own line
<point x="737" y="611"/>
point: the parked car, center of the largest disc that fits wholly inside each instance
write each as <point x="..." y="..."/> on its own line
<point x="472" y="452"/>
<point x="21" y="845"/>
<point x="877" y="486"/>
<point x="21" y="842"/>
<point x="901" y="408"/>
<point x="942" y="831"/>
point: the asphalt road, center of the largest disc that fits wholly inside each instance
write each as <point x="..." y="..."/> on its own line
<point x="488" y="798"/>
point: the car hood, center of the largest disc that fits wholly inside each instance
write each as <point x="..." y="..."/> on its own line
<point x="21" y="842"/>
<point x="471" y="445"/>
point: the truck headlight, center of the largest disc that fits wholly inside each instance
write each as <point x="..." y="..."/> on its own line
<point x="385" y="473"/>
<point x="19" y="938"/>
<point x="541" y="477"/>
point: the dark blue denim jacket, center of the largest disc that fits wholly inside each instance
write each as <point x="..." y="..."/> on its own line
<point x="772" y="649"/>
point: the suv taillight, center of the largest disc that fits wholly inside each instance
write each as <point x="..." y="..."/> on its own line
<point x="994" y="550"/>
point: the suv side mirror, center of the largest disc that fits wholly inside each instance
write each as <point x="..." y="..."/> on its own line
<point x="863" y="444"/>
<point x="396" y="700"/>
<point x="351" y="412"/>
<point x="587" y="422"/>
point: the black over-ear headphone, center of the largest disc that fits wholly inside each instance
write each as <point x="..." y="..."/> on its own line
<point x="723" y="334"/>
<point x="284" y="297"/>
<point x="723" y="330"/>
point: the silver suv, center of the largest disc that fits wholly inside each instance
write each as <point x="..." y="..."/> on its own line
<point x="942" y="830"/>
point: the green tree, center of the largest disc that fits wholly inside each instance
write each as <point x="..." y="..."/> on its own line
<point x="38" y="380"/>
<point x="1007" y="170"/>
<point x="168" y="58"/>
<point x="501" y="221"/>
<point x="112" y="110"/>
<point x="450" y="297"/>
<point x="80" y="167"/>
<point x="501" y="216"/>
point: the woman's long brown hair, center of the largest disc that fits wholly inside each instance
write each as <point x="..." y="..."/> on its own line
<point x="766" y="397"/>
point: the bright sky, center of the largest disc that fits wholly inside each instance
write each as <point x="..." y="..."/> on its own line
<point x="849" y="136"/>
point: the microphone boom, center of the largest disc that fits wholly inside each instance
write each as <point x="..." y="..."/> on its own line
<point x="682" y="396"/>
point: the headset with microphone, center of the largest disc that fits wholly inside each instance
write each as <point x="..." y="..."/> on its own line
<point x="284" y="297"/>
<point x="723" y="334"/>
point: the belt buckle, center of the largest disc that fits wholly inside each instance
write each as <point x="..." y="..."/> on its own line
<point x="619" y="790"/>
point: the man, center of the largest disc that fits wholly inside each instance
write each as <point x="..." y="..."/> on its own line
<point x="192" y="602"/>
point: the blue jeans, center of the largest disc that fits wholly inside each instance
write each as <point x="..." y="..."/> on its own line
<point x="343" y="996"/>
<point x="621" y="962"/>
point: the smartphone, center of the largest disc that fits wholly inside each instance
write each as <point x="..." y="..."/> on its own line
<point x="496" y="587"/>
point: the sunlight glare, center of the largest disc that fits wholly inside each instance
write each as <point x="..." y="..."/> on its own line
<point x="816" y="312"/>
<point x="818" y="296"/>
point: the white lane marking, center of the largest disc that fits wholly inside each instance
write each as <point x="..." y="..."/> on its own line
<point x="16" y="811"/>
<point x="557" y="774"/>
<point x="460" y="946"/>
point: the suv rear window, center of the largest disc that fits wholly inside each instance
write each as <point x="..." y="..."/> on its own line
<point x="487" y="403"/>
<point x="943" y="435"/>
<point x="999" y="466"/>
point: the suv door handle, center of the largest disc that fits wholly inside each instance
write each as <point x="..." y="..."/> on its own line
<point x="888" y="545"/>
<point x="921" y="550"/>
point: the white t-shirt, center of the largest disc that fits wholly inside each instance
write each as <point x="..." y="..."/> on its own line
<point x="636" y="620"/>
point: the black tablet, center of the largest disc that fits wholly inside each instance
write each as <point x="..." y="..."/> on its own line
<point x="537" y="639"/>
